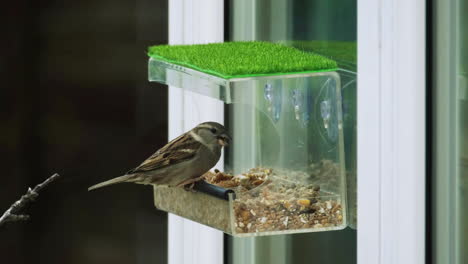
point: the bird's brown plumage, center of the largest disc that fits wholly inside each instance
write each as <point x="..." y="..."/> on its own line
<point x="169" y="155"/>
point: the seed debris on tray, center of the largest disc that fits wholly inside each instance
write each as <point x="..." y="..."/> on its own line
<point x="277" y="199"/>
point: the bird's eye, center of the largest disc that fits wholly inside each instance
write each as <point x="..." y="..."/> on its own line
<point x="213" y="130"/>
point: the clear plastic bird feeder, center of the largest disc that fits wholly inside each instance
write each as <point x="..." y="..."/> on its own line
<point x="284" y="170"/>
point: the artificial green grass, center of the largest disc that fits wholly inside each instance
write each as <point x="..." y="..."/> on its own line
<point x="242" y="59"/>
<point x="343" y="52"/>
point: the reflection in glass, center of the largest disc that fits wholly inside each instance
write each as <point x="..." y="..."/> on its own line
<point x="450" y="119"/>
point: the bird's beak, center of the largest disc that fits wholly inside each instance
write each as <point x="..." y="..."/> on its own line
<point x="224" y="140"/>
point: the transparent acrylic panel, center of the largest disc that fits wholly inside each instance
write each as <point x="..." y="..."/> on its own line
<point x="348" y="91"/>
<point x="286" y="162"/>
<point x="189" y="79"/>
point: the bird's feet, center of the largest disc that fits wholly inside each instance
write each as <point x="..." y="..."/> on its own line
<point x="190" y="183"/>
<point x="189" y="187"/>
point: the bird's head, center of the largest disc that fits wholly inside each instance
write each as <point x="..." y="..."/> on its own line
<point x="213" y="133"/>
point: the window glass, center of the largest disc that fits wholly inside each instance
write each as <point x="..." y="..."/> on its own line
<point x="450" y="132"/>
<point x="327" y="27"/>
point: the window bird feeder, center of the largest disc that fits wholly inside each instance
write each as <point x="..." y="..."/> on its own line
<point x="284" y="170"/>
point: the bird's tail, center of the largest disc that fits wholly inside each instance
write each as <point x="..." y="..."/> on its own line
<point x="124" y="178"/>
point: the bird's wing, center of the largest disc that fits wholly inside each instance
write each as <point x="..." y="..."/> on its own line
<point x="178" y="150"/>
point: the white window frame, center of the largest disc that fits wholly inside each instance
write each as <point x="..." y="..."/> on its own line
<point x="193" y="22"/>
<point x="391" y="130"/>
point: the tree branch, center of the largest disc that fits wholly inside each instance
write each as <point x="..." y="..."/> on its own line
<point x="12" y="214"/>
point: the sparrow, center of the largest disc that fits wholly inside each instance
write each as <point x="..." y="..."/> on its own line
<point x="180" y="162"/>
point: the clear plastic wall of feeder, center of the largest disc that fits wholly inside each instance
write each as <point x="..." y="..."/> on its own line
<point x="287" y="155"/>
<point x="285" y="166"/>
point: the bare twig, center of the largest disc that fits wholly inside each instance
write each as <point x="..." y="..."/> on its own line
<point x="11" y="215"/>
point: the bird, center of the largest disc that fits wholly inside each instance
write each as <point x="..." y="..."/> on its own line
<point x="180" y="162"/>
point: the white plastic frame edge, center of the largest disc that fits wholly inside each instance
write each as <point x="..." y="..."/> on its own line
<point x="192" y="22"/>
<point x="391" y="131"/>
